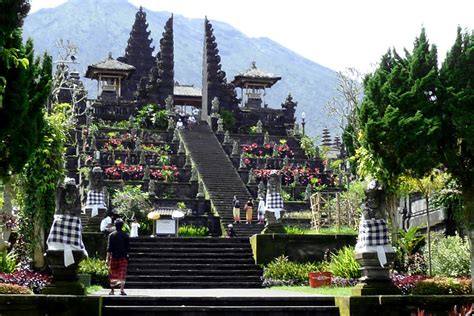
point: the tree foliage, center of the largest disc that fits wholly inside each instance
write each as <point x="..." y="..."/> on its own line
<point x="39" y="179"/>
<point x="24" y="89"/>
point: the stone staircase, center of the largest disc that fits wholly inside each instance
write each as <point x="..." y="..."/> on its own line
<point x="169" y="262"/>
<point x="219" y="177"/>
<point x="222" y="306"/>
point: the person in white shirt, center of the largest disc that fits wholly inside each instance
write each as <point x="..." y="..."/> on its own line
<point x="106" y="225"/>
<point x="134" y="228"/>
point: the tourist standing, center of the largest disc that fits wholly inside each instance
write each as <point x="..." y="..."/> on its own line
<point x="134" y="228"/>
<point x="261" y="210"/>
<point x="236" y="210"/>
<point x="117" y="257"/>
<point x="248" y="211"/>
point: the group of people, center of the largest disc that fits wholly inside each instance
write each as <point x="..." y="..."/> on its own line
<point x="186" y="121"/>
<point x="248" y="209"/>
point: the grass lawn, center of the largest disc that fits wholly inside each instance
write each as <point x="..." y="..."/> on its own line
<point x="326" y="290"/>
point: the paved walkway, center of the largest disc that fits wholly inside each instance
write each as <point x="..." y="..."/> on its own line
<point x="207" y="293"/>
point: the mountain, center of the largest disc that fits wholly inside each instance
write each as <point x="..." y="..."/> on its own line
<point x="100" y="27"/>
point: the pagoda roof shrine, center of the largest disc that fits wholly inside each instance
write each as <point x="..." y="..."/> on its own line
<point x="255" y="76"/>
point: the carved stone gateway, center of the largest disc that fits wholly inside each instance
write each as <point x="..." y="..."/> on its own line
<point x="373" y="249"/>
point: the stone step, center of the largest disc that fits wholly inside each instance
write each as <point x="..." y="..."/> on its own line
<point x="193" y="266"/>
<point x="158" y="254"/>
<point x="193" y="278"/>
<point x="235" y="284"/>
<point x="175" y="261"/>
<point x="209" y="240"/>
<point x="189" y="250"/>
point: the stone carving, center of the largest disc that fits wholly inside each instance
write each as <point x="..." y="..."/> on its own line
<point x="308" y="192"/>
<point x="175" y="136"/>
<point x="138" y="145"/>
<point x="93" y="143"/>
<point x="227" y="138"/>
<point x="235" y="148"/>
<point x="251" y="179"/>
<point x="181" y="150"/>
<point x="242" y="164"/>
<point x="131" y="121"/>
<point x="151" y="188"/>
<point x="142" y="158"/>
<point x="66" y="232"/>
<point x="374" y="207"/>
<point x="259" y="127"/>
<point x="215" y="105"/>
<point x="146" y="173"/>
<point x="188" y="163"/>
<point x="266" y="138"/>
<point x="171" y="123"/>
<point x="286" y="161"/>
<point x="274" y="201"/>
<point x="169" y="102"/>
<point x="200" y="193"/>
<point x="220" y="125"/>
<point x="97" y="196"/>
<point x="194" y="173"/>
<point x="296" y="130"/>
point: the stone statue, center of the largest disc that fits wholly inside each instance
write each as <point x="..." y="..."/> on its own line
<point x="286" y="161"/>
<point x="97" y="196"/>
<point x="374" y="207"/>
<point x="251" y="179"/>
<point x="308" y="192"/>
<point x="274" y="201"/>
<point x="93" y="143"/>
<point x="131" y="121"/>
<point x="235" y="148"/>
<point x="188" y="163"/>
<point x="200" y="193"/>
<point x="171" y="123"/>
<point x="215" y="105"/>
<point x="374" y="251"/>
<point x="146" y="173"/>
<point x="226" y="137"/>
<point x="169" y="103"/>
<point x="266" y="138"/>
<point x="259" y="127"/>
<point x="181" y="150"/>
<point x="242" y="164"/>
<point x="151" y="188"/>
<point x="175" y="136"/>
<point x="138" y="145"/>
<point x="194" y="173"/>
<point x="142" y="158"/>
<point x="220" y="125"/>
<point x="66" y="232"/>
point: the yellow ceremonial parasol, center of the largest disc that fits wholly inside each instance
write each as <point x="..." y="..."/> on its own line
<point x="153" y="216"/>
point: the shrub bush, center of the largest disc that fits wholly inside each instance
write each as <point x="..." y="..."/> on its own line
<point x="343" y="264"/>
<point x="32" y="280"/>
<point x="14" y="289"/>
<point x="450" y="256"/>
<point x="442" y="286"/>
<point x="406" y="283"/>
<point x="293" y="230"/>
<point x="98" y="270"/>
<point x="289" y="272"/>
<point x="7" y="262"/>
<point x="192" y="231"/>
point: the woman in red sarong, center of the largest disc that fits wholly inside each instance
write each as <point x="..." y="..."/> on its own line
<point x="117" y="258"/>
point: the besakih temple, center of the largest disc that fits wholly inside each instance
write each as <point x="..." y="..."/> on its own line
<point x="195" y="147"/>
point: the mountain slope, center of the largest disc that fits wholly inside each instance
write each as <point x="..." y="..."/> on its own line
<point x="99" y="27"/>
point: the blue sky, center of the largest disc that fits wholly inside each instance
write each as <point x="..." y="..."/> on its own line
<point x="334" y="33"/>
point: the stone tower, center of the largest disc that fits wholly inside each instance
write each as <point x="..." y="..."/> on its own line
<point x="214" y="82"/>
<point x="326" y="140"/>
<point x="160" y="82"/>
<point x="139" y="53"/>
